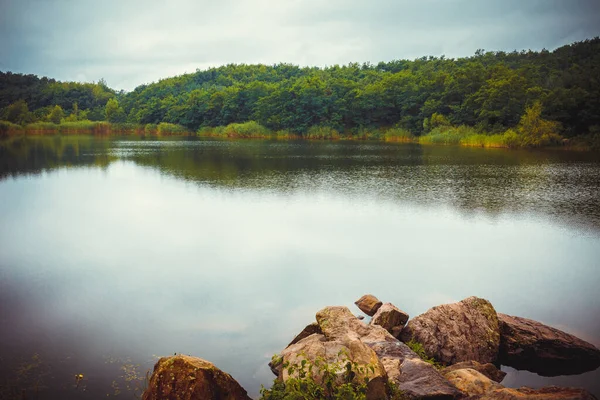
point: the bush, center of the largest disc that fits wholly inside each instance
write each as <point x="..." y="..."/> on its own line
<point x="321" y="380"/>
<point x="322" y="132"/>
<point x="165" y="128"/>
<point x="398" y="135"/>
<point x="7" y="127"/>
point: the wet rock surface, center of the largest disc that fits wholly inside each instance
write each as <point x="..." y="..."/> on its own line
<point x="531" y="345"/>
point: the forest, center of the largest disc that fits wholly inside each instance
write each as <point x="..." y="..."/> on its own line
<point x="519" y="98"/>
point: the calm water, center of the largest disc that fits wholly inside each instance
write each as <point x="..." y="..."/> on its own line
<point x="114" y="251"/>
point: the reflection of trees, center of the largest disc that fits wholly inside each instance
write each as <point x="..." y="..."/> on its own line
<point x="31" y="154"/>
<point x="560" y="184"/>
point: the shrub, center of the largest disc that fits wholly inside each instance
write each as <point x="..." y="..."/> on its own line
<point x="321" y="380"/>
<point x="398" y="135"/>
<point x="420" y="350"/>
<point x="322" y="132"/>
<point x="165" y="128"/>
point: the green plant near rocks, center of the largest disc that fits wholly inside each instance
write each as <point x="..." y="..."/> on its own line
<point x="320" y="380"/>
<point x="420" y="350"/>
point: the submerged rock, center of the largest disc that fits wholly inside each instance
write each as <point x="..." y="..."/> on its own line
<point x="186" y="378"/>
<point x="390" y="318"/>
<point x="531" y="345"/>
<point x="489" y="370"/>
<point x="463" y="331"/>
<point x="415" y="378"/>
<point x="368" y="304"/>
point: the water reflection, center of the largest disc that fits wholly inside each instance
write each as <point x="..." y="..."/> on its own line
<point x="226" y="249"/>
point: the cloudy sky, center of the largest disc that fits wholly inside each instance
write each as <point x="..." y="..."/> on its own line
<point x="130" y="42"/>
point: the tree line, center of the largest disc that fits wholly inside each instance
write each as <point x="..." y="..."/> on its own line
<point x="488" y="92"/>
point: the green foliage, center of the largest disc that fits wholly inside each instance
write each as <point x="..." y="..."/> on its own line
<point x="114" y="112"/>
<point x="398" y="135"/>
<point x="7" y="127"/>
<point x="18" y="113"/>
<point x="432" y="97"/>
<point x="165" y="128"/>
<point x="535" y="130"/>
<point x="319" y="380"/>
<point x="420" y="350"/>
<point x="56" y="114"/>
<point x="322" y="132"/>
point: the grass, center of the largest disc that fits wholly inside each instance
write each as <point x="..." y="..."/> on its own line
<point x="91" y="127"/>
<point x="420" y="350"/>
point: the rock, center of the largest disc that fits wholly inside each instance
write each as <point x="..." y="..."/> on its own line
<point x="361" y="317"/>
<point x="186" y="378"/>
<point x="463" y="331"/>
<point x="338" y="322"/>
<point x="390" y="318"/>
<point x="531" y="345"/>
<point x="545" y="393"/>
<point x="415" y="378"/>
<point x="306" y="332"/>
<point x="368" y="304"/>
<point x="337" y="352"/>
<point x="470" y="381"/>
<point x="488" y="369"/>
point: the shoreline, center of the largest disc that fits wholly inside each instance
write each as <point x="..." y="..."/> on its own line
<point x="108" y="129"/>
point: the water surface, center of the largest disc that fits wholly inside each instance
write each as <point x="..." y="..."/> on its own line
<point x="116" y="250"/>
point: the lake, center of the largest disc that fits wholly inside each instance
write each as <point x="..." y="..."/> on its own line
<point x="115" y="250"/>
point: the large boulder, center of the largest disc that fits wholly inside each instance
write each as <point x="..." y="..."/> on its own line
<point x="471" y="382"/>
<point x="531" y="345"/>
<point x="316" y="349"/>
<point x="463" y="331"/>
<point x="545" y="393"/>
<point x="338" y="323"/>
<point x="489" y="370"/>
<point x="186" y="378"/>
<point x="368" y="304"/>
<point x="415" y="378"/>
<point x="390" y="318"/>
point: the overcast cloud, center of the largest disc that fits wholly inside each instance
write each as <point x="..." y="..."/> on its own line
<point x="130" y="42"/>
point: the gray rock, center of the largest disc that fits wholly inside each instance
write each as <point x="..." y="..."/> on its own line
<point x="415" y="378"/>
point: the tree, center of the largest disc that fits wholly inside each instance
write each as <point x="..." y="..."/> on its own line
<point x="56" y="114"/>
<point x="535" y="130"/>
<point x="18" y="112"/>
<point x="114" y="112"/>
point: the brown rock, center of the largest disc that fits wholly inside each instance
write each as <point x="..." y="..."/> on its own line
<point x="338" y="322"/>
<point x="186" y="378"/>
<point x="368" y="304"/>
<point x="390" y="318"/>
<point x="415" y="378"/>
<point x="337" y="353"/>
<point x="306" y="332"/>
<point x="488" y="369"/>
<point x="546" y="393"/>
<point x="463" y="331"/>
<point x="471" y="382"/>
<point x="531" y="345"/>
